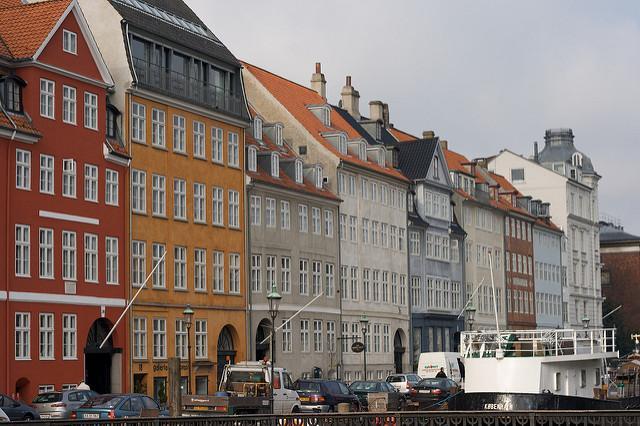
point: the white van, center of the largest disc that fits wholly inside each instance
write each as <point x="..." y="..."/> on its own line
<point x="429" y="365"/>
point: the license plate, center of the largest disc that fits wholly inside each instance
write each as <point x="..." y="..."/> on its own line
<point x="45" y="416"/>
<point x="200" y="407"/>
<point x="91" y="416"/>
<point x="425" y="391"/>
<point x="304" y="398"/>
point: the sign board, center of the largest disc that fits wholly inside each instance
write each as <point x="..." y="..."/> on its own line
<point x="357" y="347"/>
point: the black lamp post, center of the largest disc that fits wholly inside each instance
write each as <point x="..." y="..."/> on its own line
<point x="363" y="323"/>
<point x="471" y="314"/>
<point x="188" y="319"/>
<point x="585" y="321"/>
<point x="274" y="304"/>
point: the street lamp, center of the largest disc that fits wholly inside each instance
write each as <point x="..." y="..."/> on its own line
<point x="585" y="321"/>
<point x="363" y="323"/>
<point x="471" y="314"/>
<point x="188" y="319"/>
<point x="274" y="304"/>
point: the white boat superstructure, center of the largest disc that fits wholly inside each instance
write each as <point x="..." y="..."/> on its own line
<point x="559" y="361"/>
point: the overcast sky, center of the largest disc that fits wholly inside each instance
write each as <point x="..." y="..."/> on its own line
<point x="483" y="75"/>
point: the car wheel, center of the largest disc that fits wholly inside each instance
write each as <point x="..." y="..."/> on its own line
<point x="28" y="417"/>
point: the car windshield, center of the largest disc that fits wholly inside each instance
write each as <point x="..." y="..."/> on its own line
<point x="103" y="402"/>
<point x="363" y="386"/>
<point x="48" y="397"/>
<point x="309" y="387"/>
<point x="394" y="379"/>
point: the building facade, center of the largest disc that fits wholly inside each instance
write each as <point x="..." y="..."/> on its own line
<point x="64" y="284"/>
<point x="565" y="177"/>
<point x="184" y="120"/>
<point x="293" y="226"/>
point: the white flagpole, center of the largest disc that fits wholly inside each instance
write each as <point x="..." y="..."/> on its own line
<point x="290" y="318"/>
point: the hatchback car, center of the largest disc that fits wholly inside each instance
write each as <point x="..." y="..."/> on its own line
<point x="363" y="388"/>
<point x="324" y="395"/>
<point x="16" y="410"/>
<point x="60" y="404"/>
<point x="404" y="382"/>
<point x="113" y="406"/>
<point x="434" y="390"/>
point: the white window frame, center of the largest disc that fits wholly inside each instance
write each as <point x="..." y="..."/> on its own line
<point x="159" y="338"/>
<point x="111" y="187"/>
<point x="23" y="169"/>
<point x="328" y="223"/>
<point x="217" y="206"/>
<point x="159" y="277"/>
<point x="179" y="199"/>
<point x="111" y="260"/>
<point x="22" y="336"/>
<point x="69" y="42"/>
<point x="139" y="191"/>
<point x="139" y="263"/>
<point x="47" y="98"/>
<point x="158" y="128"/>
<point x="69" y="336"/>
<point x="285" y="215"/>
<point x="217" y="145"/>
<point x="199" y="202"/>
<point x="234" y="209"/>
<point x="46" y="253"/>
<point x="138" y="122"/>
<point x="47" y="174"/>
<point x="234" y="273"/>
<point x="217" y="273"/>
<point x="69" y="254"/>
<point x="45" y="334"/>
<point x="91" y="183"/>
<point x="199" y="148"/>
<point x="201" y="345"/>
<point x="69" y="178"/>
<point x="90" y="110"/>
<point x="179" y="134"/>
<point x="158" y="185"/>
<point x="139" y="333"/>
<point x="91" y="258"/>
<point x="199" y="269"/>
<point x="270" y="212"/>
<point x="233" y="145"/>
<point x="69" y="104"/>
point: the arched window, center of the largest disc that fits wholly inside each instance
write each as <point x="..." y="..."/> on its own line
<point x="252" y="159"/>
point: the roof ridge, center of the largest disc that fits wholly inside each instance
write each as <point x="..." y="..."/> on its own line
<point x="282" y="78"/>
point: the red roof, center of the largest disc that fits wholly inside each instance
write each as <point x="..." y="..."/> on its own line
<point x="25" y="27"/>
<point x="18" y="122"/>
<point x="295" y="98"/>
<point x="400" y="135"/>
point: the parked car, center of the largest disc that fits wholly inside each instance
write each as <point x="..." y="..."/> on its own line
<point x="434" y="390"/>
<point x="113" y="406"/>
<point x="17" y="410"/>
<point x="324" y="395"/>
<point x="404" y="382"/>
<point x="363" y="388"/>
<point x="60" y="404"/>
<point x="3" y="416"/>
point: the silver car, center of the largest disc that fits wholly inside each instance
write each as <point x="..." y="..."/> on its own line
<point x="59" y="404"/>
<point x="404" y="382"/>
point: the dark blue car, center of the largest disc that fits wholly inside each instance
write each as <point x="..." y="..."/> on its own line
<point x="114" y="406"/>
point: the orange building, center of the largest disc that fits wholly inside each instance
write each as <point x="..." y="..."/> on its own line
<point x="184" y="124"/>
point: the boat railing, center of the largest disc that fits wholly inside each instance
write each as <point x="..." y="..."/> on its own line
<point x="530" y="343"/>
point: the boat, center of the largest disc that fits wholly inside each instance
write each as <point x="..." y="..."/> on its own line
<point x="556" y="369"/>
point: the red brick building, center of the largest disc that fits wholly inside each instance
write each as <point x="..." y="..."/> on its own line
<point x="63" y="283"/>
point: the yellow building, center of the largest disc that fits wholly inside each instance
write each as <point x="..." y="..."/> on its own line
<point x="184" y="118"/>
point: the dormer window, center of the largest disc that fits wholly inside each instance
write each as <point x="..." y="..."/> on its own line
<point x="382" y="153"/>
<point x="252" y="160"/>
<point x="436" y="167"/>
<point x="257" y="128"/>
<point x="69" y="42"/>
<point x="318" y="176"/>
<point x="279" y="134"/>
<point x="362" y="151"/>
<point x="299" y="172"/>
<point x="11" y="92"/>
<point x="326" y="116"/>
<point x="576" y="159"/>
<point x="112" y="124"/>
<point x="378" y="131"/>
<point x="275" y="165"/>
<point x="342" y="144"/>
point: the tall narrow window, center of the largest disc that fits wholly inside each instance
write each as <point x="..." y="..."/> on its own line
<point x="270" y="212"/>
<point x="217" y="272"/>
<point x="139" y="254"/>
<point x="157" y="128"/>
<point x="200" y="269"/>
<point x="234" y="273"/>
<point x="234" y="209"/>
<point x="330" y="280"/>
<point x="90" y="183"/>
<point x="304" y="335"/>
<point x="139" y="338"/>
<point x="23" y="247"/>
<point x="69" y="178"/>
<point x="23" y="169"/>
<point x="69" y="104"/>
<point x="198" y="139"/>
<point x="69" y="336"/>
<point x="69" y="42"/>
<point x="217" y="145"/>
<point x="46" y="253"/>
<point x="233" y="149"/>
<point x="139" y="191"/>
<point x="159" y="338"/>
<point x="199" y="203"/>
<point x="22" y="335"/>
<point x="285" y="215"/>
<point x="303" y="218"/>
<point x="304" y="277"/>
<point x="111" y="252"/>
<point x="179" y="199"/>
<point x="91" y="258"/>
<point x="316" y="277"/>
<point x="47" y="88"/>
<point x="201" y="339"/>
<point x="179" y="131"/>
<point x="158" y="279"/>
<point x="285" y="274"/>
<point x="46" y="336"/>
<point x="158" y="195"/>
<point x="217" y="206"/>
<point x="90" y="111"/>
<point x="328" y="223"/>
<point x="111" y="187"/>
<point x="138" y="124"/>
<point x="46" y="174"/>
<point x="68" y="255"/>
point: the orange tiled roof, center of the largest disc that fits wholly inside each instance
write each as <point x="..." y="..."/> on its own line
<point x="295" y="99"/>
<point x="400" y="135"/>
<point x="18" y="122"/>
<point x="24" y="27"/>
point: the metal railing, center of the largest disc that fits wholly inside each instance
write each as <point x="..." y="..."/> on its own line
<point x="186" y="88"/>
<point x="404" y="418"/>
<point x="527" y="343"/>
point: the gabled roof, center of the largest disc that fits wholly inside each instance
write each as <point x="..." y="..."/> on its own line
<point x="207" y="46"/>
<point x="414" y="157"/>
<point x="283" y="181"/>
<point x="18" y="122"/>
<point x="400" y="135"/>
<point x="455" y="161"/>
<point x="295" y="98"/>
<point x="25" y="27"/>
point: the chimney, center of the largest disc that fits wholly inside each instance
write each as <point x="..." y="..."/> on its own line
<point x="444" y="144"/>
<point x="535" y="152"/>
<point x="318" y="83"/>
<point x="376" y="110"/>
<point x="351" y="99"/>
<point x="428" y="134"/>
<point x="385" y="114"/>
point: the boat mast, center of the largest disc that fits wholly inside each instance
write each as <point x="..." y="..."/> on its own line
<point x="495" y="305"/>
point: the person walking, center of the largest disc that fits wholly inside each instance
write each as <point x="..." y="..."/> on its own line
<point x="441" y="373"/>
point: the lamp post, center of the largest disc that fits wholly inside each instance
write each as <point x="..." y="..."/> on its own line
<point x="585" y="321"/>
<point x="471" y="314"/>
<point x="188" y="319"/>
<point x="363" y="324"/>
<point x="274" y="304"/>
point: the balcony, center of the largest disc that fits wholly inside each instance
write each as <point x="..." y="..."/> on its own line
<point x="188" y="89"/>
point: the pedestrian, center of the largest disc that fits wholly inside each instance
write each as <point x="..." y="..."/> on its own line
<point x="83" y="385"/>
<point x="441" y="373"/>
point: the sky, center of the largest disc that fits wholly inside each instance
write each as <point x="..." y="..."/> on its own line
<point x="485" y="75"/>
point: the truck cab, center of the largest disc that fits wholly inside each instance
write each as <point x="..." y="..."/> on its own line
<point x="254" y="377"/>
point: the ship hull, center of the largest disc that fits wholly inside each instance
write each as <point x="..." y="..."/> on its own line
<point x="496" y="401"/>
